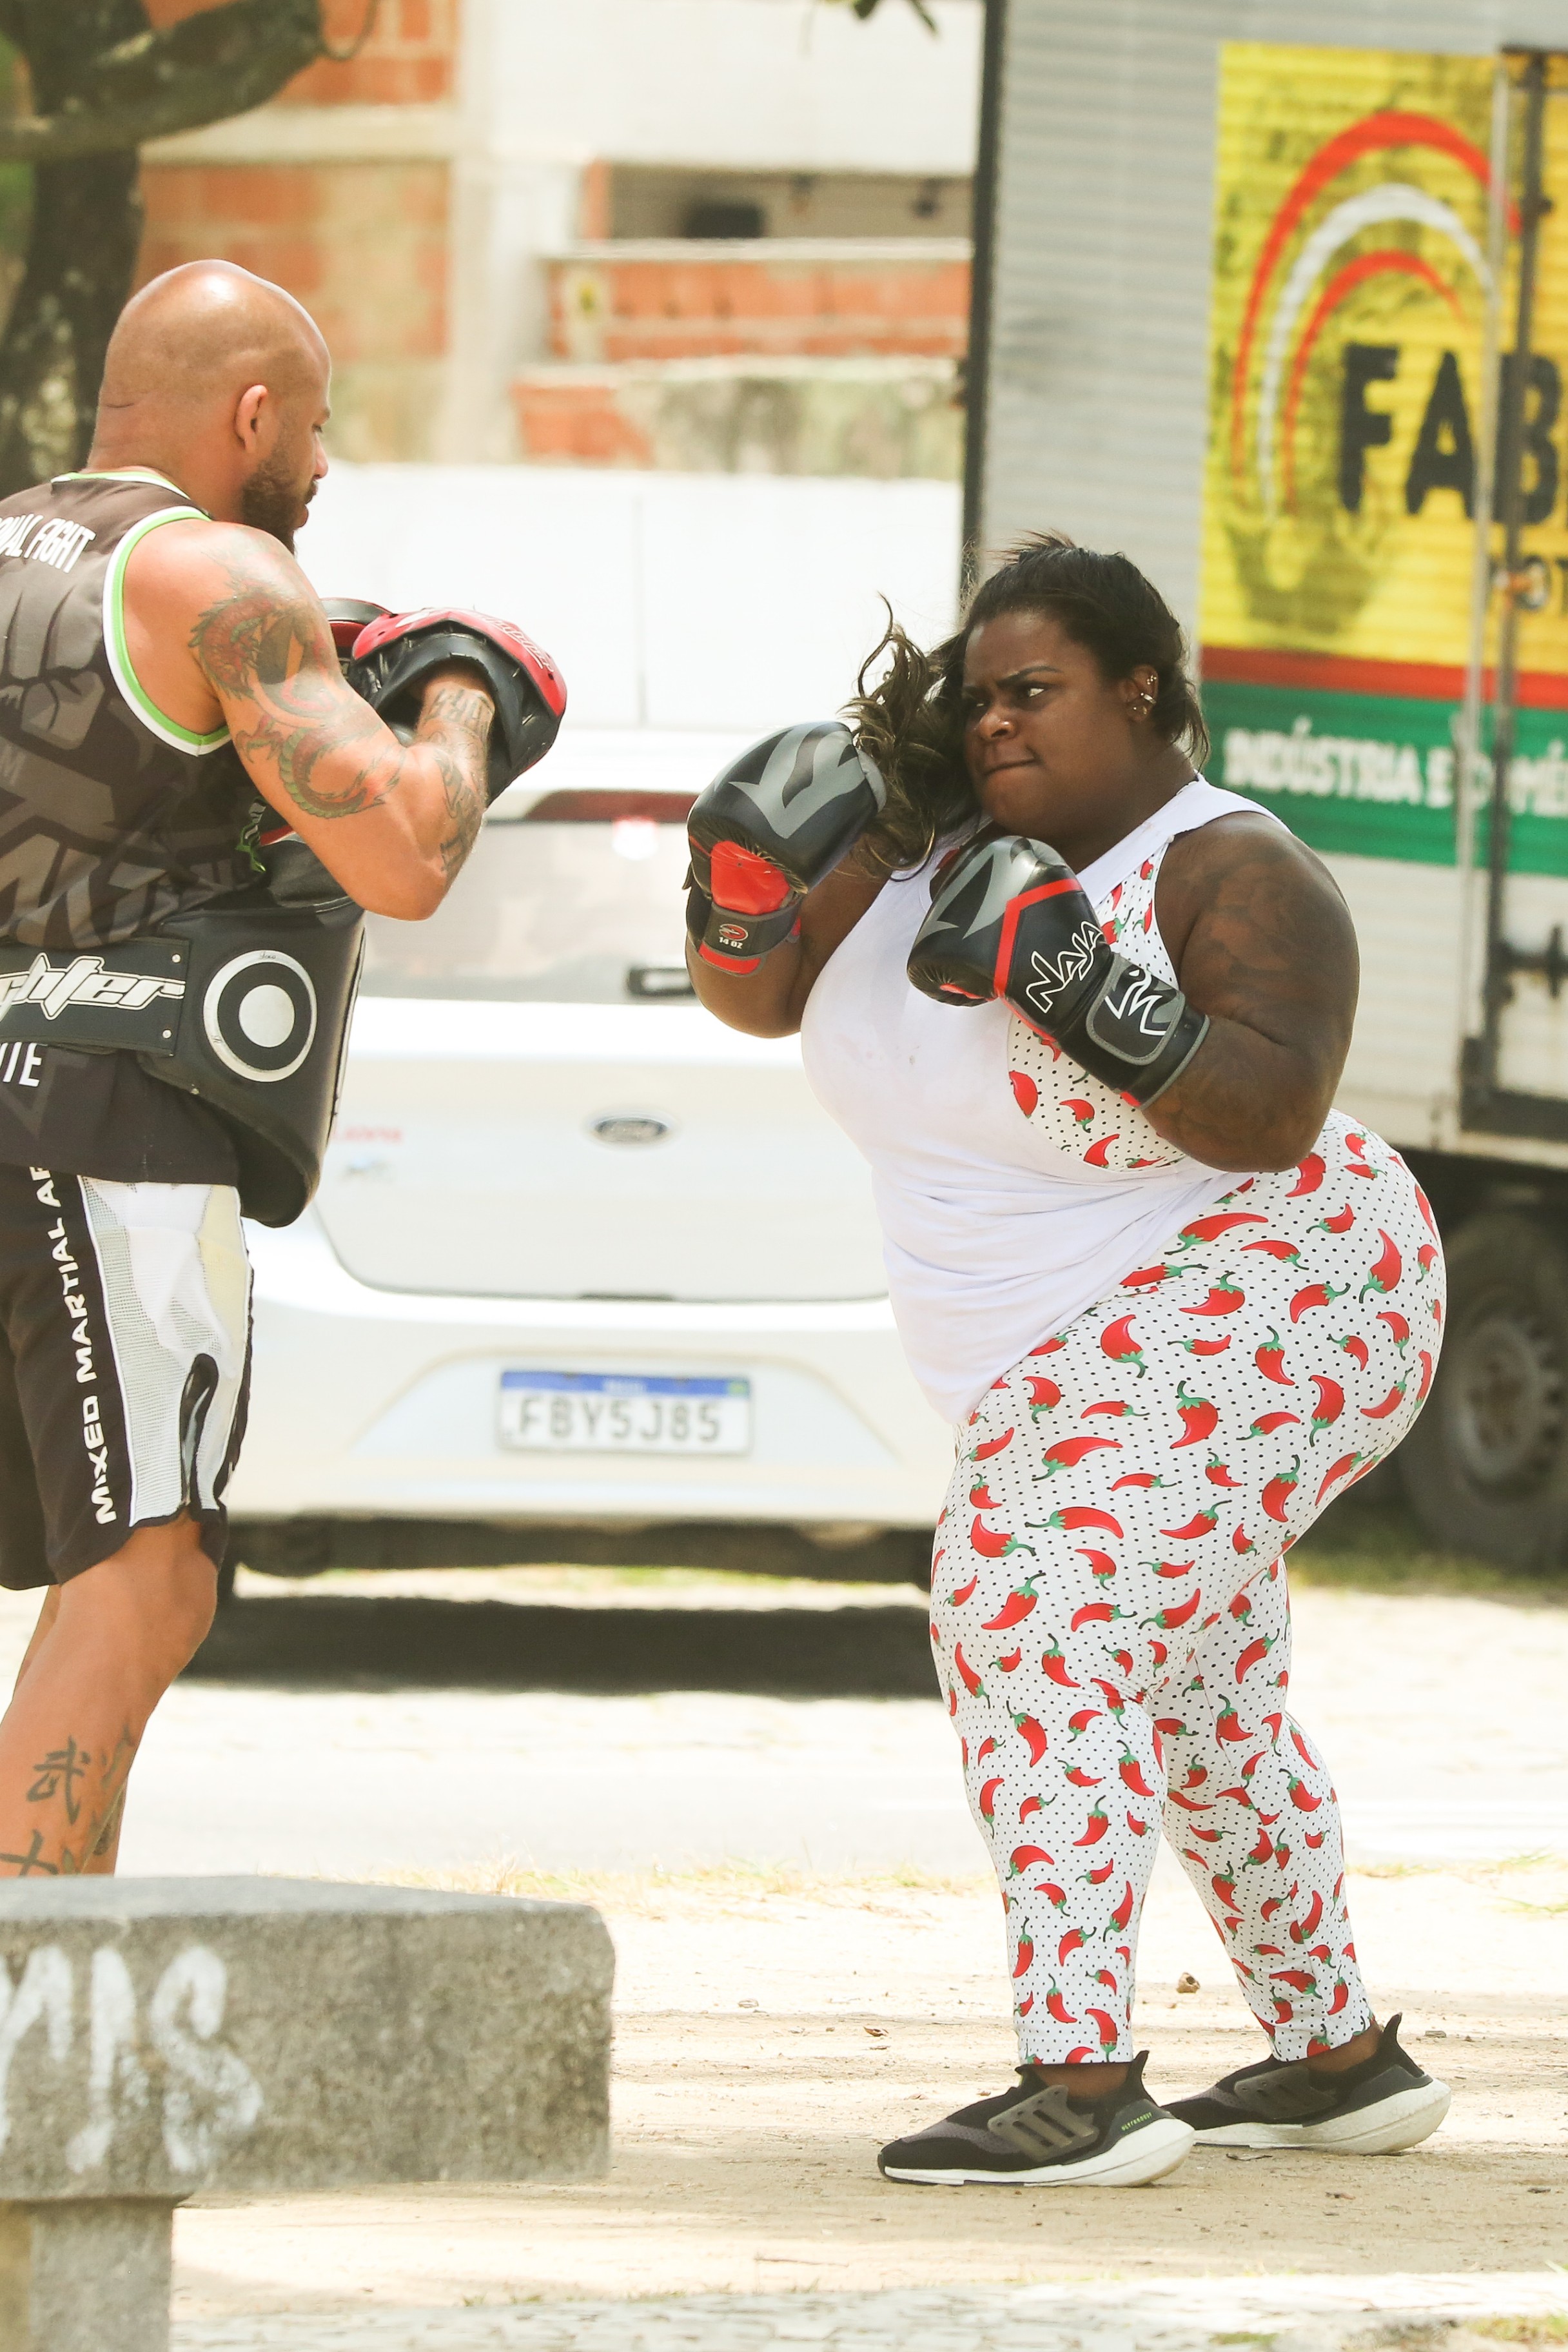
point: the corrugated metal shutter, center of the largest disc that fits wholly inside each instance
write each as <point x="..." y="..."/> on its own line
<point x="1096" y="399"/>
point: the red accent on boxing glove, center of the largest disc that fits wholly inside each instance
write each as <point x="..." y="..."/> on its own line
<point x="767" y="830"/>
<point x="742" y="879"/>
<point x="1011" y="919"/>
<point x="348" y="617"/>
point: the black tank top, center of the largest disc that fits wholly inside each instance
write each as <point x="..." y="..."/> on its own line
<point x="112" y="818"/>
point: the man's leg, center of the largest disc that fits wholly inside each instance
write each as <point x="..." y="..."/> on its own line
<point x="123" y="1329"/>
<point x="101" y="1862"/>
<point x="107" y="1646"/>
<point x="46" y="1615"/>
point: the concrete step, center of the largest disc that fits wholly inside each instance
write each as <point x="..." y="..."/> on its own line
<point x="158" y="2036"/>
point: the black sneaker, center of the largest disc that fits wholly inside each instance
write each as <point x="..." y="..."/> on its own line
<point x="1381" y="2105"/>
<point x="1039" y="2138"/>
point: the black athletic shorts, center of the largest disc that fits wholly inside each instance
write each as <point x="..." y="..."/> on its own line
<point x="124" y="1365"/>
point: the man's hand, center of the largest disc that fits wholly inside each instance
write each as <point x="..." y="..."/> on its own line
<point x="224" y="629"/>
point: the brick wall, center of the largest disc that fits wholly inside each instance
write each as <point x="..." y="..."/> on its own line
<point x="362" y="245"/>
<point x="407" y="60"/>
<point x="668" y="305"/>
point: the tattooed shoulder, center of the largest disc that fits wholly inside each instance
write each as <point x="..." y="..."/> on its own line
<point x="263" y="626"/>
<point x="263" y="642"/>
<point x="1244" y="896"/>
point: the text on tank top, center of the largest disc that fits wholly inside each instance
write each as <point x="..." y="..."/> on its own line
<point x="112" y="818"/>
<point x="1013" y="1190"/>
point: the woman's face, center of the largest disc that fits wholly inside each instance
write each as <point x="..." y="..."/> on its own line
<point x="1052" y="748"/>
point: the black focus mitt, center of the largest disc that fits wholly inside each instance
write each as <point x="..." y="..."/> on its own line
<point x="393" y="656"/>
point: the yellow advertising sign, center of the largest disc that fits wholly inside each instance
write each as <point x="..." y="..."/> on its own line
<point x="1350" y="284"/>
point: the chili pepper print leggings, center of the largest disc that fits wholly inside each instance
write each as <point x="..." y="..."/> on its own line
<point x="1110" y="1613"/>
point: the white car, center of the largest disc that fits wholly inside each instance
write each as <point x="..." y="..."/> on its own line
<point x="581" y="1254"/>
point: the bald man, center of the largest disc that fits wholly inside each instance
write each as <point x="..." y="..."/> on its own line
<point x="165" y="669"/>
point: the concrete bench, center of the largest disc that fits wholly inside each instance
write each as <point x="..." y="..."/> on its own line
<point x="159" y="2036"/>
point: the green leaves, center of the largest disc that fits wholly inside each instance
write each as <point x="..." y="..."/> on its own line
<point x="222" y="61"/>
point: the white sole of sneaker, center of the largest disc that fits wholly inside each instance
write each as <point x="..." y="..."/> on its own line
<point x="1144" y="2156"/>
<point x="1393" y="2125"/>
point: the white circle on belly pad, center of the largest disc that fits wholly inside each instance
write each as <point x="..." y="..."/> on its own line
<point x="266" y="1015"/>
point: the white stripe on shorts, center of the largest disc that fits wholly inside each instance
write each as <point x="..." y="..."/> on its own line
<point x="176" y="1288"/>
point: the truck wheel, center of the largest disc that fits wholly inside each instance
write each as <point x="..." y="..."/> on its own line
<point x="1486" y="1466"/>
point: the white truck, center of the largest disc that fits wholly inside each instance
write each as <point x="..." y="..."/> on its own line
<point x="1274" y="297"/>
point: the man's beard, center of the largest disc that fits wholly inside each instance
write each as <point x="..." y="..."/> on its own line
<point x="271" y="501"/>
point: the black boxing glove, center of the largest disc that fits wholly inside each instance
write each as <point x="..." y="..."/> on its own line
<point x="1010" y="920"/>
<point x="347" y="616"/>
<point x="392" y="657"/>
<point x="767" y="830"/>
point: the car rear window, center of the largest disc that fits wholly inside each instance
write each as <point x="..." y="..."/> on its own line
<point x="572" y="895"/>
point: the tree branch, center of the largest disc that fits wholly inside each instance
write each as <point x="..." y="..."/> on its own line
<point x="864" y="8"/>
<point x="220" y="63"/>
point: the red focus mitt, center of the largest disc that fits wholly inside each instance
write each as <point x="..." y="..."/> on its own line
<point x="348" y="616"/>
<point x="393" y="656"/>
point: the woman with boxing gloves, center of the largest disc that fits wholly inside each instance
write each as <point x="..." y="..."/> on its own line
<point x="1084" y="1014"/>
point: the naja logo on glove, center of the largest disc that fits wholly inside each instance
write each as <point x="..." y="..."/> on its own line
<point x="1147" y="1005"/>
<point x="259" y="1015"/>
<point x="1072" y="963"/>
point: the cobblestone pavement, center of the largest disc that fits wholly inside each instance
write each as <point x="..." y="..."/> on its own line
<point x="1319" y="2314"/>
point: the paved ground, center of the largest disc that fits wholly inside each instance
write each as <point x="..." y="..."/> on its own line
<point x="1402" y="2313"/>
<point x="772" y="2030"/>
<point x="366" y="1723"/>
<point x="813" y="1965"/>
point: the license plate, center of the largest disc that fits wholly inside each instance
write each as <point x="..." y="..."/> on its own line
<point x="623" y="1413"/>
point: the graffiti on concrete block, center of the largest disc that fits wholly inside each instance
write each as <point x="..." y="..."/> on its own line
<point x="209" y="2098"/>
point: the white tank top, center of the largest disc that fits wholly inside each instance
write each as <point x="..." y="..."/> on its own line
<point x="1012" y="1189"/>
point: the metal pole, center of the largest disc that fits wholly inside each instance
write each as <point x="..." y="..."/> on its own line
<point x="1468" y="744"/>
<point x="977" y="365"/>
<point x="1499" y="986"/>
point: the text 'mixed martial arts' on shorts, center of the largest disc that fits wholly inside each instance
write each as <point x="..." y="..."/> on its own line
<point x="124" y="1358"/>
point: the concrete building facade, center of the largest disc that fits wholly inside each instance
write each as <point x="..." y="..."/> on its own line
<point x="717" y="235"/>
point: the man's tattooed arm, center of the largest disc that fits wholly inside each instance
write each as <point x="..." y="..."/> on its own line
<point x="269" y="658"/>
<point x="316" y="750"/>
<point x="1263" y="943"/>
<point x="455" y="723"/>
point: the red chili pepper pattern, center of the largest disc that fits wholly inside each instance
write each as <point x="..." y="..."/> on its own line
<point x="1224" y="1298"/>
<point x="1117" y="1342"/>
<point x="1110" y="1619"/>
<point x="1199" y="1417"/>
<point x="1013" y="1610"/>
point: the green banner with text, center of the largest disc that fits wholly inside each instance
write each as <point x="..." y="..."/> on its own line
<point x="1367" y="775"/>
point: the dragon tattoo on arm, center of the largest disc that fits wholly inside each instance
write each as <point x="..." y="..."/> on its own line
<point x="266" y="651"/>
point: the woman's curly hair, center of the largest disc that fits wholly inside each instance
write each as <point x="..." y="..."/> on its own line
<point x="908" y="714"/>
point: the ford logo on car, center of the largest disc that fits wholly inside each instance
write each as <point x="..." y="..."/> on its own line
<point x="630" y="1126"/>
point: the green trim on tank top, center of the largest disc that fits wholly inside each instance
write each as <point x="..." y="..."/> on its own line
<point x="168" y="730"/>
<point x="119" y="474"/>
